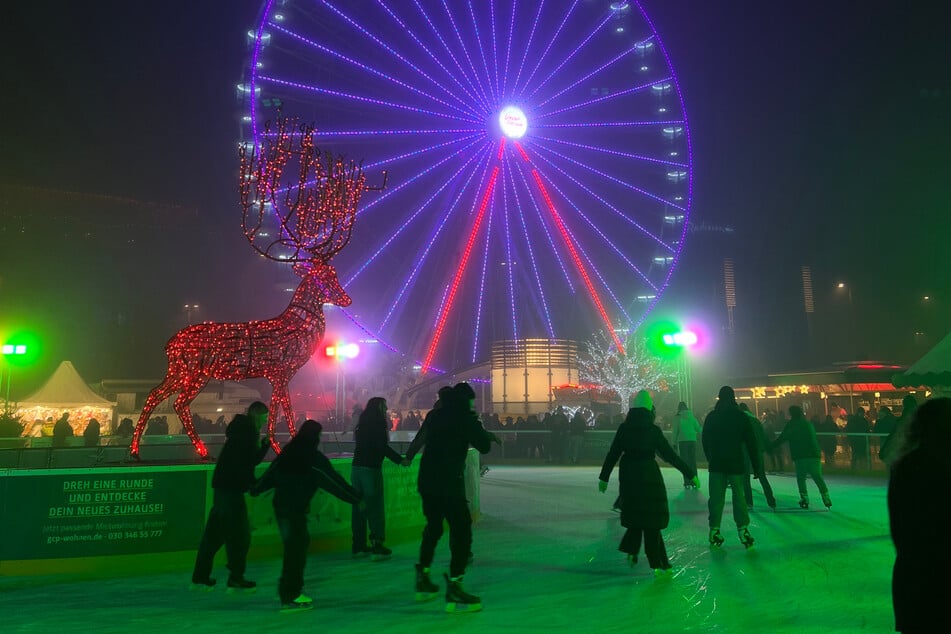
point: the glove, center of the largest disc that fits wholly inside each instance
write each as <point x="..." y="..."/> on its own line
<point x="602" y="486"/>
<point x="695" y="481"/>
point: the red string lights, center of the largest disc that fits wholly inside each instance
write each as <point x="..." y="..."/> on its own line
<point x="315" y="209"/>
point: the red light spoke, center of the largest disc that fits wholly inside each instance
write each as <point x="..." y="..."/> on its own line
<point x="441" y="322"/>
<point x="573" y="251"/>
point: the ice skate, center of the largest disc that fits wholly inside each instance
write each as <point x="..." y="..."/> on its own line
<point x="426" y="590"/>
<point x="301" y="604"/>
<point x="716" y="538"/>
<point x="631" y="560"/>
<point x="379" y="552"/>
<point x="359" y="552"/>
<point x="457" y="599"/>
<point x="827" y="500"/>
<point x="241" y="585"/>
<point x="745" y="538"/>
<point x="804" y="503"/>
<point x="663" y="573"/>
<point x="202" y="585"/>
<point x="484" y="470"/>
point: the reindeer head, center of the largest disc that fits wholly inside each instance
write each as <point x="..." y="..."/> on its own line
<point x="325" y="285"/>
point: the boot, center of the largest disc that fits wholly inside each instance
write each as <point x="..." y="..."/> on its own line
<point x="425" y="588"/>
<point x="240" y="584"/>
<point x="379" y="552"/>
<point x="745" y="538"/>
<point x="457" y="599"/>
<point x="827" y="500"/>
<point x="716" y="539"/>
<point x="804" y="502"/>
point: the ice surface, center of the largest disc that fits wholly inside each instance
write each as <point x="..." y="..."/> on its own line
<point x="546" y="561"/>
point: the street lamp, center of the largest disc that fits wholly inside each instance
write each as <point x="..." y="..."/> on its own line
<point x="341" y="352"/>
<point x="670" y="341"/>
<point x="189" y="308"/>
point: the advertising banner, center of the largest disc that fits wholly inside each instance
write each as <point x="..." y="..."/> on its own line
<point x="62" y="513"/>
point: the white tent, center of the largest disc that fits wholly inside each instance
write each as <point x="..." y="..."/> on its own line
<point x="65" y="391"/>
<point x="932" y="370"/>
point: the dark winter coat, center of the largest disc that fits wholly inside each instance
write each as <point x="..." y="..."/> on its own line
<point x="729" y="441"/>
<point x="294" y="488"/>
<point x="242" y="451"/>
<point x="448" y="433"/>
<point x="919" y="520"/>
<point x="642" y="488"/>
<point x="801" y="437"/>
<point x="371" y="445"/>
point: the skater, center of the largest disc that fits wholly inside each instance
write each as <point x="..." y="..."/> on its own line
<point x="371" y="446"/>
<point x="295" y="475"/>
<point x="857" y="428"/>
<point x="727" y="437"/>
<point x="684" y="437"/>
<point x="228" y="520"/>
<point x="919" y="516"/>
<point x="644" y="511"/>
<point x="450" y="430"/>
<point x="891" y="448"/>
<point x="804" y="449"/>
<point x="760" y="435"/>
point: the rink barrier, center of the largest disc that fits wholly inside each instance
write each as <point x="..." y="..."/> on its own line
<point x="148" y="518"/>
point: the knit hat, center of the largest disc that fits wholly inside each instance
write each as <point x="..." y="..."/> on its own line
<point x="642" y="399"/>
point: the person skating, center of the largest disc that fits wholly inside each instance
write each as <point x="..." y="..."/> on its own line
<point x="804" y="449"/>
<point x="684" y="432"/>
<point x="450" y="430"/>
<point x="919" y="516"/>
<point x="760" y="435"/>
<point x="726" y="437"/>
<point x="228" y="520"/>
<point x="371" y="445"/>
<point x="644" y="511"/>
<point x="295" y="475"/>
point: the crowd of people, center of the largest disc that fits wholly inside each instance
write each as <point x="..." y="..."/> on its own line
<point x="735" y="442"/>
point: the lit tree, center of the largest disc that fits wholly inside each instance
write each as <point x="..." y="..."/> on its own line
<point x="636" y="369"/>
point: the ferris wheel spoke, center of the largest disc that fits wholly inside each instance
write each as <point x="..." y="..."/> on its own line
<point x="445" y="45"/>
<point x="611" y="178"/>
<point x="359" y="98"/>
<point x="376" y="40"/>
<point x="608" y="124"/>
<point x="435" y="58"/>
<point x="610" y="97"/>
<point x="465" y="51"/>
<point x="597" y="70"/>
<point x="551" y="42"/>
<point x="509" y="259"/>
<point x="495" y="50"/>
<point x="447" y="303"/>
<point x="605" y="238"/>
<point x="423" y="257"/>
<point x="575" y="256"/>
<point x="602" y="150"/>
<point x="540" y="215"/>
<point x="607" y="204"/>
<point x="528" y="45"/>
<point x="485" y="64"/>
<point x="568" y="58"/>
<point x="413" y="153"/>
<point x="481" y="297"/>
<point x="406" y="223"/>
<point x="508" y="48"/>
<point x="531" y="252"/>
<point x="370" y="70"/>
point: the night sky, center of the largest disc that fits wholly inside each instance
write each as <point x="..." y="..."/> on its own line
<point x="820" y="134"/>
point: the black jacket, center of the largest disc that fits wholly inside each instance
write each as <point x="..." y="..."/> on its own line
<point x="371" y="446"/>
<point x="801" y="438"/>
<point x="727" y="435"/>
<point x="448" y="433"/>
<point x="642" y="487"/>
<point x="241" y="452"/>
<point x="294" y="488"/>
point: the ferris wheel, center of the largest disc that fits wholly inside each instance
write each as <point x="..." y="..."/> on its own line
<point x="538" y="156"/>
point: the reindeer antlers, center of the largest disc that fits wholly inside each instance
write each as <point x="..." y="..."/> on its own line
<point x="313" y="215"/>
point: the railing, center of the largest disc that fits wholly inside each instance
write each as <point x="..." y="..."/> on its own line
<point x="842" y="453"/>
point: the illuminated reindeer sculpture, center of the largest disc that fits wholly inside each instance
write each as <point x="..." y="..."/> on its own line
<point x="314" y="215"/>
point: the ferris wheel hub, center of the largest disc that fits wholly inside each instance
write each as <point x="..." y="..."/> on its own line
<point x="513" y="122"/>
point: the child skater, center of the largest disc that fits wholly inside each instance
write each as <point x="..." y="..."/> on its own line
<point x="295" y="475"/>
<point x="644" y="509"/>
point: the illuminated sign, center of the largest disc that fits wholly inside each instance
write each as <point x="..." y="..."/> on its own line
<point x="513" y="122"/>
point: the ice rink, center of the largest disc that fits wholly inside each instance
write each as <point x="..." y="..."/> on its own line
<point x="545" y="561"/>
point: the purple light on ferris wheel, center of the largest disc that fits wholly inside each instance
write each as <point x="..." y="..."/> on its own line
<point x="418" y="88"/>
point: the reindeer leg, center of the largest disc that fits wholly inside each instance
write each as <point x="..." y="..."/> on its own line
<point x="272" y="420"/>
<point x="182" y="403"/>
<point x="168" y="387"/>
<point x="284" y="398"/>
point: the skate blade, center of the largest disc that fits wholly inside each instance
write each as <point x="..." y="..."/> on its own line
<point x="426" y="596"/>
<point x="200" y="587"/>
<point x="463" y="607"/>
<point x="380" y="557"/>
<point x="298" y="607"/>
<point x="242" y="590"/>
